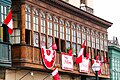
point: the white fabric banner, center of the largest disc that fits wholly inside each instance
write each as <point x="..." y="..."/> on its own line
<point x="67" y="62"/>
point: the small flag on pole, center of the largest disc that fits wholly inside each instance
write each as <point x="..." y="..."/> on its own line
<point x="55" y="74"/>
<point x="54" y="46"/>
<point x="80" y="54"/>
<point x="9" y="22"/>
<point x="70" y="52"/>
<point x="87" y="55"/>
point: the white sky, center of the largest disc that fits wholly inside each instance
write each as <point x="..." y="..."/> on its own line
<point x="110" y="11"/>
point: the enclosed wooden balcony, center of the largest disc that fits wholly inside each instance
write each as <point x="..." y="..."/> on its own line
<point x="5" y="54"/>
<point x="29" y="57"/>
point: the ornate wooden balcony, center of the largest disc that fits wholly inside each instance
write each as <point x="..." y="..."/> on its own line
<point x="25" y="56"/>
<point x="5" y="54"/>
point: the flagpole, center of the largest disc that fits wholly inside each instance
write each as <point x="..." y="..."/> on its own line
<point x="46" y="76"/>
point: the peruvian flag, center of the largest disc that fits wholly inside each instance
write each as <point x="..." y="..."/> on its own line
<point x="54" y="46"/>
<point x="70" y="52"/>
<point x="55" y="74"/>
<point x="87" y="55"/>
<point x="9" y="22"/>
<point x="80" y="54"/>
<point x="105" y="59"/>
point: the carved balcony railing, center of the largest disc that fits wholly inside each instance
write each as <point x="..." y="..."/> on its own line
<point x="87" y="9"/>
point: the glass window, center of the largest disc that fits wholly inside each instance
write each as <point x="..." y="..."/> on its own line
<point x="36" y="39"/>
<point x="83" y="34"/>
<point x="27" y="18"/>
<point x="97" y="40"/>
<point x="73" y="33"/>
<point x="67" y="45"/>
<point x="88" y="38"/>
<point x="62" y="29"/>
<point x="3" y="12"/>
<point x="78" y="48"/>
<point x="93" y="39"/>
<point x="15" y="37"/>
<point x="74" y="49"/>
<point x="101" y="41"/>
<point x="105" y="42"/>
<point x="43" y="41"/>
<point x="43" y="23"/>
<point x="56" y="27"/>
<point x="35" y="20"/>
<point x="49" y="41"/>
<point x="49" y="24"/>
<point x="67" y="31"/>
<point x="78" y="35"/>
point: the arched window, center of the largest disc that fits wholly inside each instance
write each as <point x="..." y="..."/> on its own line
<point x="67" y="24"/>
<point x="62" y="33"/>
<point x="43" y="22"/>
<point x="97" y="40"/>
<point x="35" y="28"/>
<point x="35" y="19"/>
<point x="27" y="17"/>
<point x="28" y="25"/>
<point x="74" y="38"/>
<point x="56" y="27"/>
<point x="49" y="24"/>
<point x="105" y="42"/>
<point x="78" y="38"/>
<point x="93" y="38"/>
<point x="43" y="29"/>
<point x="88" y="37"/>
<point x="67" y="31"/>
<point x="83" y="34"/>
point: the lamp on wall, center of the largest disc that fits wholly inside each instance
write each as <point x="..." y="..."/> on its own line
<point x="96" y="68"/>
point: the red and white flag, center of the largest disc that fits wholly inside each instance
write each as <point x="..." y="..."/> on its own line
<point x="87" y="55"/>
<point x="55" y="74"/>
<point x="9" y="22"/>
<point x="70" y="52"/>
<point x="80" y="54"/>
<point x="105" y="59"/>
<point x="54" y="46"/>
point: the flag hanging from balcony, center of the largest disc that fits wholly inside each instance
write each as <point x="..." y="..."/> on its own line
<point x="55" y="74"/>
<point x="8" y="22"/>
<point x="54" y="46"/>
<point x="48" y="56"/>
<point x="80" y="54"/>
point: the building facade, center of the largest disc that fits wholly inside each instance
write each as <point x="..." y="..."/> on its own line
<point x="5" y="46"/>
<point x="39" y="23"/>
<point x="114" y="53"/>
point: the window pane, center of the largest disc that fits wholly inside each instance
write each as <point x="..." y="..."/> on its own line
<point x="62" y="32"/>
<point x="15" y="37"/>
<point x="49" y="42"/>
<point x="67" y="45"/>
<point x="79" y="37"/>
<point x="55" y="29"/>
<point x="43" y="41"/>
<point x="74" y="48"/>
<point x="36" y="39"/>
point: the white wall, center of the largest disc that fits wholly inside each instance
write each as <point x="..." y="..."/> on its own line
<point x="75" y="3"/>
